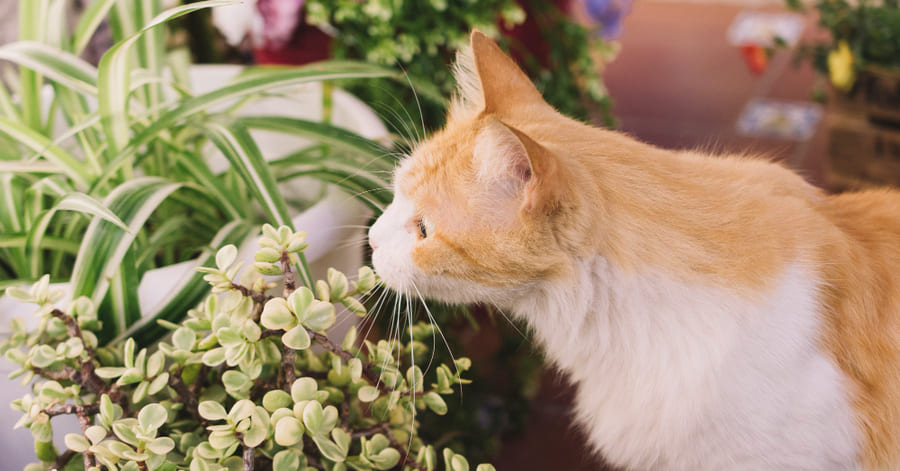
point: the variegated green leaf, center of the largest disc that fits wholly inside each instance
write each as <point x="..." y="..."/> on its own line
<point x="105" y="245"/>
<point x="261" y="80"/>
<point x="176" y="304"/>
<point x="67" y="164"/>
<point x="87" y="25"/>
<point x="114" y="77"/>
<point x="63" y="67"/>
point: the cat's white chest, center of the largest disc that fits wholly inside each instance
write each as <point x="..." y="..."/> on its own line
<point x="679" y="377"/>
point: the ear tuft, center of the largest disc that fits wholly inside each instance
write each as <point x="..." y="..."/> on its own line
<point x="469" y="98"/>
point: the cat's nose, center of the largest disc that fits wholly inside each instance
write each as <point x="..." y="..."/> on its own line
<point x="372" y="244"/>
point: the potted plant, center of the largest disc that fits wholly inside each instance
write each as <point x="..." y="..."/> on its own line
<point x="237" y="385"/>
<point x="861" y="59"/>
<point x="125" y="168"/>
<point x="561" y="54"/>
<point x="861" y="54"/>
<point x="120" y="177"/>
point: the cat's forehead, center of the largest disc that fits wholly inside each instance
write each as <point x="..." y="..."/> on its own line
<point x="438" y="164"/>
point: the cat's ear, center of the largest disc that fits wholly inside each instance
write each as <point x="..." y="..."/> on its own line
<point x="488" y="80"/>
<point x="515" y="167"/>
<point x="503" y="84"/>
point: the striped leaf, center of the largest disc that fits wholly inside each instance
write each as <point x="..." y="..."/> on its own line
<point x="261" y="80"/>
<point x="63" y="67"/>
<point x="114" y="78"/>
<point x="121" y="303"/>
<point x="39" y="143"/>
<point x="235" y="142"/>
<point x="105" y="245"/>
<point x="78" y="202"/>
<point x="90" y="20"/>
<point x="198" y="171"/>
<point x="367" y="151"/>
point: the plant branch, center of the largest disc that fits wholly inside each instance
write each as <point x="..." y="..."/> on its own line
<point x="289" y="284"/>
<point x="74" y="330"/>
<point x="373" y="378"/>
<point x="81" y="410"/>
<point x="257" y="296"/>
<point x="66" y="374"/>
<point x="405" y="459"/>
<point x="87" y="377"/>
<point x="248" y="458"/>
<point x="288" y="359"/>
<point x="61" y="460"/>
<point x="185" y="395"/>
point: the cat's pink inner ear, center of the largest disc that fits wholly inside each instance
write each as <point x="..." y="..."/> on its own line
<point x="513" y="167"/>
<point x="503" y="83"/>
<point x="500" y="157"/>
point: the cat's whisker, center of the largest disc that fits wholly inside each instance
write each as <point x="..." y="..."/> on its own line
<point x="440" y="332"/>
<point x="506" y="316"/>
<point x="412" y="364"/>
<point x="372" y="316"/>
<point x="389" y="115"/>
<point x="418" y="104"/>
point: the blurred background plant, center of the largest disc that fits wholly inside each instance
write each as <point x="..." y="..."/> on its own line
<point x="863" y="36"/>
<point x="562" y="55"/>
<point x="237" y="385"/>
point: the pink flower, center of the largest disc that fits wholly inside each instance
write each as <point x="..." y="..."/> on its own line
<point x="279" y="21"/>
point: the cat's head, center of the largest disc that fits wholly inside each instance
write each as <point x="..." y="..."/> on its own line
<point x="482" y="208"/>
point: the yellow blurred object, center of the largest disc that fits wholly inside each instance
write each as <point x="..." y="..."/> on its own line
<point x="840" y="67"/>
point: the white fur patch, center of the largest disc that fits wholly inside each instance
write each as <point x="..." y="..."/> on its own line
<point x="678" y="377"/>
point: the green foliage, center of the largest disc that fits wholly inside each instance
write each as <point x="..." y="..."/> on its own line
<point x="871" y="29"/>
<point x="423" y="37"/>
<point x="105" y="170"/>
<point x="227" y="389"/>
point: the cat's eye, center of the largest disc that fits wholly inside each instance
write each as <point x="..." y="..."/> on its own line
<point x="423" y="228"/>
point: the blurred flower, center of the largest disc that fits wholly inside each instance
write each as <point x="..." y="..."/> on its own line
<point x="235" y="21"/>
<point x="270" y="23"/>
<point x="609" y="14"/>
<point x="840" y="67"/>
<point x="756" y="58"/>
<point x="280" y="19"/>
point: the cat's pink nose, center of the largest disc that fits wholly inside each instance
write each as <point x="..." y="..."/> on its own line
<point x="373" y="244"/>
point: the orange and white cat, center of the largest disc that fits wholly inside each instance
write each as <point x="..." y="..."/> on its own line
<point x="716" y="313"/>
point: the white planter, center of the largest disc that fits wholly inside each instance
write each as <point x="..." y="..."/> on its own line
<point x="334" y="226"/>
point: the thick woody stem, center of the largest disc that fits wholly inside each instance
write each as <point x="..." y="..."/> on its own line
<point x="288" y="357"/>
<point x="289" y="284"/>
<point x="248" y="458"/>
<point x="86" y="410"/>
